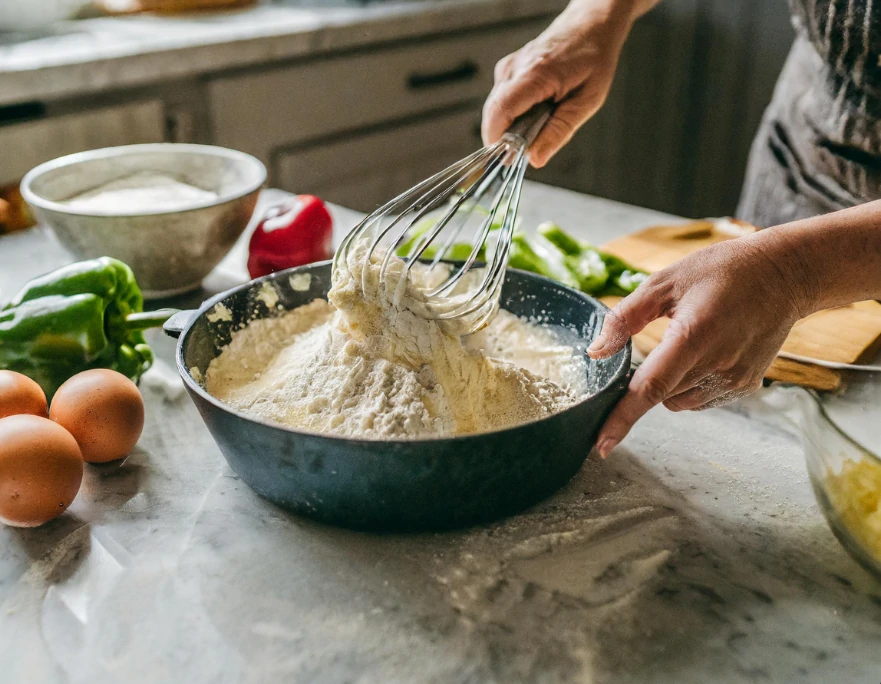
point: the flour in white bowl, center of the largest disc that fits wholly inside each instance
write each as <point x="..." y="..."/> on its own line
<point x="140" y="192"/>
<point x="362" y="365"/>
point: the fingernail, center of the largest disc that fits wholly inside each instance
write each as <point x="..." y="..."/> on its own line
<point x="598" y="344"/>
<point x="605" y="446"/>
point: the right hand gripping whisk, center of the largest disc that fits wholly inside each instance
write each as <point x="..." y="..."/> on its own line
<point x="484" y="186"/>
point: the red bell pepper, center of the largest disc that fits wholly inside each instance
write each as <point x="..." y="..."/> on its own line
<point x="296" y="232"/>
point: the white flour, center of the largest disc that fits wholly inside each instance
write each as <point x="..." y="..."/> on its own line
<point x="143" y="191"/>
<point x="363" y="366"/>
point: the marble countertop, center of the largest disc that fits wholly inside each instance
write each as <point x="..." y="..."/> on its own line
<point x="695" y="554"/>
<point x="97" y="54"/>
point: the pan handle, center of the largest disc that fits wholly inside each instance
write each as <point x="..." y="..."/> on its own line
<point x="175" y="325"/>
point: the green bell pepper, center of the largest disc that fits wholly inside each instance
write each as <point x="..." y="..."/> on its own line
<point x="567" y="244"/>
<point x="540" y="256"/>
<point x="459" y="251"/>
<point x="85" y="315"/>
<point x="614" y="277"/>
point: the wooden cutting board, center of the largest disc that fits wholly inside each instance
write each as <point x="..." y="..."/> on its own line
<point x="849" y="334"/>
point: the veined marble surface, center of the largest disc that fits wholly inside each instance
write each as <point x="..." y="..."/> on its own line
<point x="97" y="54"/>
<point x="694" y="554"/>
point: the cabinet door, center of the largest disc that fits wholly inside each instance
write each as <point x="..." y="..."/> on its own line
<point x="260" y="112"/>
<point x="25" y="145"/>
<point x="362" y="172"/>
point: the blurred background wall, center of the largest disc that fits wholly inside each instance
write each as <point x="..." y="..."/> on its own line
<point x="675" y="133"/>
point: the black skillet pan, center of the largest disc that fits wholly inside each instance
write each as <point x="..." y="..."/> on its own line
<point x="413" y="484"/>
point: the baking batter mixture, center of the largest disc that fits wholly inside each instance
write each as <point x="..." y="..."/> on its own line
<point x="363" y="365"/>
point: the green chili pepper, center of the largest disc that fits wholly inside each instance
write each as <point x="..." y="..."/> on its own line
<point x="85" y="315"/>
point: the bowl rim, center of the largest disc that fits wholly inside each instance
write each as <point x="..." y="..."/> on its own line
<point x="193" y="386"/>
<point x="859" y="446"/>
<point x="69" y="160"/>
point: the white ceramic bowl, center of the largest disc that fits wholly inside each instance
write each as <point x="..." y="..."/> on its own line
<point x="170" y="252"/>
<point x="24" y="15"/>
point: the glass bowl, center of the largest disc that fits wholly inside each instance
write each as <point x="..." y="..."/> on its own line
<point x="842" y="439"/>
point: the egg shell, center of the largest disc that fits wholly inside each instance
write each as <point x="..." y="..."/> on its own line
<point x="103" y="410"/>
<point x="20" y="394"/>
<point x="41" y="470"/>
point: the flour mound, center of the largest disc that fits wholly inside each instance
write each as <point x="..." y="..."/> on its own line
<point x="368" y="364"/>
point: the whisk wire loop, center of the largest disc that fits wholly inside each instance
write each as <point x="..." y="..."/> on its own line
<point x="400" y="228"/>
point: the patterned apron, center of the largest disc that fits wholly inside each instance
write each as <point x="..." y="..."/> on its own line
<point x="818" y="148"/>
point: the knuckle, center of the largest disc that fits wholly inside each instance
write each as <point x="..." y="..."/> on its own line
<point x="673" y="405"/>
<point x="658" y="285"/>
<point x="558" y="131"/>
<point x="653" y="389"/>
<point x="597" y="91"/>
<point x="741" y="383"/>
<point x="684" y="331"/>
<point x="750" y="385"/>
<point x="742" y="378"/>
<point x="729" y="361"/>
<point x="500" y="71"/>
<point x="721" y="400"/>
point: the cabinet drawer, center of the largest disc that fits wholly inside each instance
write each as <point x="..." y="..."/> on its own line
<point x="366" y="171"/>
<point x="25" y="145"/>
<point x="257" y="113"/>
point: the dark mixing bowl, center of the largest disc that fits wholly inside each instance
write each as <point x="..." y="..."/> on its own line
<point x="404" y="484"/>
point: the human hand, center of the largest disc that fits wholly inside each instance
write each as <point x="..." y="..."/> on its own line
<point x="572" y="63"/>
<point x="730" y="306"/>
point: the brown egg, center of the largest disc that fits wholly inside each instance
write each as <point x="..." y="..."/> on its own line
<point x="41" y="469"/>
<point x="104" y="412"/>
<point x="20" y="394"/>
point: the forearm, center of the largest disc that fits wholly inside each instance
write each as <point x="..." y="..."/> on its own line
<point x="625" y="10"/>
<point x="829" y="260"/>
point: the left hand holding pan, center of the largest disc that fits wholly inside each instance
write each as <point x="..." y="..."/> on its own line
<point x="730" y="306"/>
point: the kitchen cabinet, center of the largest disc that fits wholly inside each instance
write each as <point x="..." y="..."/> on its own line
<point x="367" y="170"/>
<point x="29" y="143"/>
<point x="321" y="101"/>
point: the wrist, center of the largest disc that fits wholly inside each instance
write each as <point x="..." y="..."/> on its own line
<point x="620" y="11"/>
<point x="613" y="17"/>
<point x="795" y="271"/>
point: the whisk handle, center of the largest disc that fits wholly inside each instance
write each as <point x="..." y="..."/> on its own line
<point x="527" y="126"/>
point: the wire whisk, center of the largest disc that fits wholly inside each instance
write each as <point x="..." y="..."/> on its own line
<point x="476" y="199"/>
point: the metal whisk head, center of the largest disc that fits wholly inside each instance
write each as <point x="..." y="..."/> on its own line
<point x="464" y="215"/>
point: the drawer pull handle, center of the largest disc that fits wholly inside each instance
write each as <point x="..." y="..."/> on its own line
<point x="464" y="72"/>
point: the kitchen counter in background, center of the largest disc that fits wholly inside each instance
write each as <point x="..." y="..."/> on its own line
<point x="395" y="88"/>
<point x="695" y="554"/>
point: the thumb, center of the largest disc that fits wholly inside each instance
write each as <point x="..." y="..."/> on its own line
<point x="629" y="317"/>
